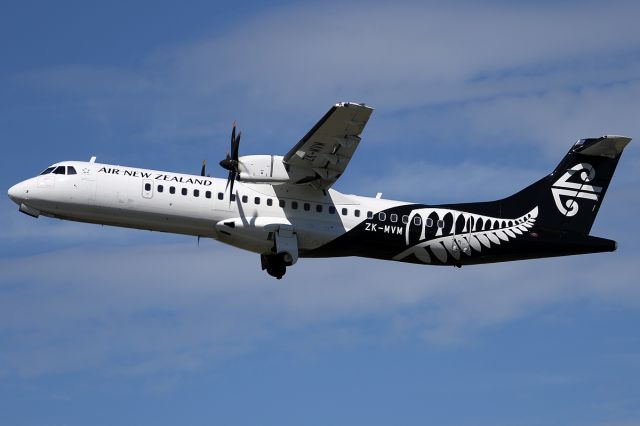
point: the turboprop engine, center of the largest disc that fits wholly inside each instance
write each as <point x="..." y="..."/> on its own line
<point x="260" y="168"/>
<point x="271" y="169"/>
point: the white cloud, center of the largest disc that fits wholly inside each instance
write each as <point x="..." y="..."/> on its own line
<point x="397" y="54"/>
<point x="553" y="120"/>
<point x="20" y="229"/>
<point x="432" y="183"/>
<point x="146" y="309"/>
<point x="525" y="71"/>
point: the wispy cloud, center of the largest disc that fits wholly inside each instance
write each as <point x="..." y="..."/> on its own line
<point x="531" y="72"/>
<point x="433" y="183"/>
<point x="181" y="308"/>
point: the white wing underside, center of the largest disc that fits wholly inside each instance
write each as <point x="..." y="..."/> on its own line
<point x="328" y="147"/>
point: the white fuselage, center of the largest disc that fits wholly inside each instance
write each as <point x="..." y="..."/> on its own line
<point x="195" y="205"/>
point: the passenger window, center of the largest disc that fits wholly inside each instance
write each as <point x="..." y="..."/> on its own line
<point x="184" y="191"/>
<point x="294" y="205"/>
<point x="332" y="210"/>
<point x="429" y="222"/>
<point x="196" y="192"/>
<point x="220" y="195"/>
<point x="47" y="171"/>
<point x="417" y="220"/>
<point x="382" y="216"/>
<point x="282" y="203"/>
<point x="344" y="211"/>
<point x="71" y="170"/>
<point x="147" y="187"/>
<point x="441" y="223"/>
<point x="405" y="219"/>
<point x="207" y="194"/>
<point x="59" y="170"/>
<point x="307" y="207"/>
<point x="256" y="200"/>
<point x="394" y="217"/>
<point x="245" y="199"/>
<point x="356" y="213"/>
<point x="319" y="208"/>
<point x="269" y="201"/>
<point x="172" y="189"/>
<point x="160" y="188"/>
<point x="369" y="215"/>
<point x="232" y="197"/>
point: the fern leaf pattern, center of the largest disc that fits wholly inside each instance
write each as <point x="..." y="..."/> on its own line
<point x="445" y="233"/>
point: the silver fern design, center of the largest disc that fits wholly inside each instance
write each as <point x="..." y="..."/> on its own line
<point x="445" y="232"/>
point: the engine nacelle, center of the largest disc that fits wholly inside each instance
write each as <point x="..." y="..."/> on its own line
<point x="270" y="169"/>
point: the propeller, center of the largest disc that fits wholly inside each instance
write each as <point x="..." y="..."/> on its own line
<point x="202" y="170"/>
<point x="231" y="161"/>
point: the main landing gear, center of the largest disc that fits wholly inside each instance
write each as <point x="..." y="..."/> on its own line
<point x="284" y="252"/>
<point x="275" y="264"/>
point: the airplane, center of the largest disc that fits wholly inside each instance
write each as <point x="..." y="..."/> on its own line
<point x="284" y="207"/>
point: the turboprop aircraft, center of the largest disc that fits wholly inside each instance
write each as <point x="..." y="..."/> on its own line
<point x="284" y="207"/>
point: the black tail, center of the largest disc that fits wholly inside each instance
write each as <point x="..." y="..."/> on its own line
<point x="570" y="197"/>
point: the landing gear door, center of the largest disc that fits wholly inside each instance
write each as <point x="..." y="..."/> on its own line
<point x="287" y="243"/>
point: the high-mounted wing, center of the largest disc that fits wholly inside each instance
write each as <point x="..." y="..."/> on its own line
<point x="327" y="148"/>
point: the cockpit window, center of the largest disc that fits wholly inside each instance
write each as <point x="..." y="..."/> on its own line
<point x="71" y="170"/>
<point x="59" y="170"/>
<point x="47" y="171"/>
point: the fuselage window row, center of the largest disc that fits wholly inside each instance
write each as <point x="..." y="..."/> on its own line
<point x="282" y="203"/>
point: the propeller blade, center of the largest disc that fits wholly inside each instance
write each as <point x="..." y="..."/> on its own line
<point x="233" y="133"/>
<point x="235" y="147"/>
<point x="231" y="161"/>
<point x="232" y="179"/>
<point x="229" y="178"/>
<point x="204" y="165"/>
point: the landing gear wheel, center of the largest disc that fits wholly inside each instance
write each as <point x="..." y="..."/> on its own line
<point x="277" y="271"/>
<point x="274" y="264"/>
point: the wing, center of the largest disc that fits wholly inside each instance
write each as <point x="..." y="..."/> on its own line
<point x="327" y="148"/>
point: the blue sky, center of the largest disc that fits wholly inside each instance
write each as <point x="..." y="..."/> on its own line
<point x="107" y="326"/>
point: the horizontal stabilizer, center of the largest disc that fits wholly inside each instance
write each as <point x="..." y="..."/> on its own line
<point x="607" y="146"/>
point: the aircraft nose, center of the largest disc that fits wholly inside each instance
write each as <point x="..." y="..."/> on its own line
<point x="18" y="192"/>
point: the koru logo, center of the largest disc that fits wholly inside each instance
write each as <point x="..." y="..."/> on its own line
<point x="573" y="190"/>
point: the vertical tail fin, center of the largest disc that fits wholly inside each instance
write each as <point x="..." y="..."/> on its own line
<point x="570" y="197"/>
